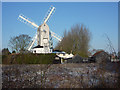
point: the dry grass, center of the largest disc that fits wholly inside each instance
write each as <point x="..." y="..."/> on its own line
<point x="59" y="76"/>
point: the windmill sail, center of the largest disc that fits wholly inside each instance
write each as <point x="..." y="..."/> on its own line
<point x="43" y="34"/>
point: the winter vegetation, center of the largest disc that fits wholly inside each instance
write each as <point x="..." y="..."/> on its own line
<point x="22" y="69"/>
<point x="76" y="41"/>
<point x="60" y="76"/>
<point x="19" y="43"/>
<point x="33" y="62"/>
<point x="28" y="58"/>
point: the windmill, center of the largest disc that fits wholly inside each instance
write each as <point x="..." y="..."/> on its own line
<point x="43" y="35"/>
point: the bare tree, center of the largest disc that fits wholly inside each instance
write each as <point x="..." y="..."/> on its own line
<point x="19" y="43"/>
<point x="76" y="40"/>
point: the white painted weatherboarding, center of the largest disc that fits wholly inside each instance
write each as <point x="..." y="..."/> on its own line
<point x="43" y="35"/>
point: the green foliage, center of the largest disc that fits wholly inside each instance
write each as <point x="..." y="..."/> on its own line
<point x="4" y="56"/>
<point x="5" y="51"/>
<point x="29" y="59"/>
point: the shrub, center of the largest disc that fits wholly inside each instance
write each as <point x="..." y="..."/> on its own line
<point x="30" y="58"/>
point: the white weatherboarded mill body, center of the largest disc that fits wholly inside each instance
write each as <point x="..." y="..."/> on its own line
<point x="43" y="36"/>
<point x="43" y="40"/>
